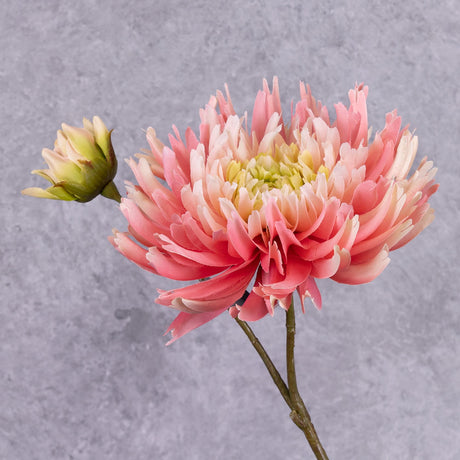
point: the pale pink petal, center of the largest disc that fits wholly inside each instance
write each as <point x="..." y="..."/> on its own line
<point x="156" y="158"/>
<point x="325" y="268"/>
<point x="405" y="154"/>
<point x="364" y="272"/>
<point x="426" y="220"/>
<point x="147" y="178"/>
<point x="379" y="239"/>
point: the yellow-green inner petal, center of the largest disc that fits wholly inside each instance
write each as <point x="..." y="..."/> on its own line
<point x="285" y="167"/>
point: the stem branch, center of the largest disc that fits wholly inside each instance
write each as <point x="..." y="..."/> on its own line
<point x="290" y="393"/>
<point x="275" y="375"/>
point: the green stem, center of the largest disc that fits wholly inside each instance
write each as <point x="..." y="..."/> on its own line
<point x="110" y="191"/>
<point x="275" y="375"/>
<point x="299" y="414"/>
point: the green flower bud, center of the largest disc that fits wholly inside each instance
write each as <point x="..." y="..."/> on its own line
<point x="81" y="166"/>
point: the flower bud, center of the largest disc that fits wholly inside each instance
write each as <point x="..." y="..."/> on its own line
<point x="81" y="166"/>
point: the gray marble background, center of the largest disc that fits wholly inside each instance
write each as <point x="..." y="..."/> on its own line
<point x="84" y="373"/>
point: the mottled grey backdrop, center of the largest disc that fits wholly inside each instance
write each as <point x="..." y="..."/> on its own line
<point x="84" y="373"/>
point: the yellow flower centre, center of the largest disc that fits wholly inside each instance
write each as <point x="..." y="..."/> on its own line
<point x="286" y="168"/>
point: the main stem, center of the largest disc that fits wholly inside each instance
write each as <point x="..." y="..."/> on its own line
<point x="299" y="414"/>
<point x="290" y="393"/>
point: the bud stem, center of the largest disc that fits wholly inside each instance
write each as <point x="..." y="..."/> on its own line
<point x="110" y="191"/>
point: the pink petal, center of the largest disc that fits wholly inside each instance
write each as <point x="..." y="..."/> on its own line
<point x="310" y="105"/>
<point x="239" y="242"/>
<point x="273" y="254"/>
<point x="146" y="177"/>
<point x="365" y="197"/>
<point x="190" y="139"/>
<point x="319" y="249"/>
<point x="215" y="243"/>
<point x="181" y="154"/>
<point x="145" y="229"/>
<point x="309" y="289"/>
<point x="131" y="250"/>
<point x="358" y="105"/>
<point x="165" y="265"/>
<point x="385" y="158"/>
<point x="220" y="291"/>
<point x="286" y="236"/>
<point x="220" y="259"/>
<point x="259" y="120"/>
<point x="297" y="270"/>
<point x="325" y="228"/>
<point x="186" y="322"/>
<point x="175" y="176"/>
<point x="253" y="308"/>
<point x="369" y="222"/>
<point x="225" y="106"/>
<point x="265" y="106"/>
<point x="154" y="158"/>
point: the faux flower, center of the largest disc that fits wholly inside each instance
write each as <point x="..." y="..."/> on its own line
<point x="284" y="203"/>
<point x="81" y="166"/>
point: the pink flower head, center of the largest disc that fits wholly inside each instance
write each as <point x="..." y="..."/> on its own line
<point x="286" y="203"/>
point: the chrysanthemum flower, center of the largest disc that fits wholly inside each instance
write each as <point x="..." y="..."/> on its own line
<point x="286" y="203"/>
